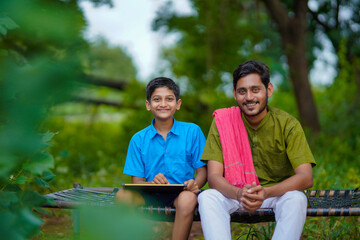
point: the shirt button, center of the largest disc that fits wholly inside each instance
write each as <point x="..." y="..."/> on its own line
<point x="166" y="151"/>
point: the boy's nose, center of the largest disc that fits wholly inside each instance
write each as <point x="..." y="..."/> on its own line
<point x="163" y="102"/>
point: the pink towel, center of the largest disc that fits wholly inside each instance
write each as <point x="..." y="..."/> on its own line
<point x="238" y="163"/>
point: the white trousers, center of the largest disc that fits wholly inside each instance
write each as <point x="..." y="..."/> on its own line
<point x="215" y="210"/>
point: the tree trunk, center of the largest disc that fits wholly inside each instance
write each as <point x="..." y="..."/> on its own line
<point x="293" y="35"/>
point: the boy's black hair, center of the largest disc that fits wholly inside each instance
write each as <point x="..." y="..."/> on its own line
<point x="162" y="82"/>
<point x="250" y="67"/>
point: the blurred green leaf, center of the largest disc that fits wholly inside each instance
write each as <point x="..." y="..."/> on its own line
<point x="39" y="163"/>
<point x="22" y="180"/>
<point x="41" y="182"/>
<point x="6" y="23"/>
<point x="114" y="222"/>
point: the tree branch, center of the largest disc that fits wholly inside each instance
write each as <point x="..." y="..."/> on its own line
<point x="97" y="102"/>
<point x="106" y="82"/>
<point x="278" y="14"/>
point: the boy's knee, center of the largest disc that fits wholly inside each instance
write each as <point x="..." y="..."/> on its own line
<point x="186" y="202"/>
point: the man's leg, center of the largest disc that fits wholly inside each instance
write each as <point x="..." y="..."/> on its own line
<point x="215" y="210"/>
<point x="290" y="214"/>
<point x="185" y="204"/>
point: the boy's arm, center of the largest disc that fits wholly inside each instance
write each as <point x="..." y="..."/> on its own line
<point x="200" y="180"/>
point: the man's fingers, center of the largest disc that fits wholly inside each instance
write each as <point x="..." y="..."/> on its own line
<point x="255" y="189"/>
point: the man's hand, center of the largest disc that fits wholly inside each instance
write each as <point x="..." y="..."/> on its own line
<point x="252" y="197"/>
<point x="192" y="186"/>
<point x="160" y="179"/>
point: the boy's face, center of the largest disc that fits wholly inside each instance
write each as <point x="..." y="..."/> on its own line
<point x="251" y="95"/>
<point x="163" y="103"/>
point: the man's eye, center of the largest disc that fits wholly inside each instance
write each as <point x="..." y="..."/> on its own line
<point x="255" y="90"/>
<point x="242" y="92"/>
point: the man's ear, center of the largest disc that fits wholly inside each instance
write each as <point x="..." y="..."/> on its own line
<point x="270" y="90"/>
<point x="234" y="93"/>
<point x="147" y="104"/>
<point x="178" y="104"/>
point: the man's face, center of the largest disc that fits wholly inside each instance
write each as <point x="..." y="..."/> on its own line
<point x="251" y="95"/>
<point x="163" y="103"/>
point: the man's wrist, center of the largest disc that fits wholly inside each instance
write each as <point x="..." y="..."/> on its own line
<point x="238" y="194"/>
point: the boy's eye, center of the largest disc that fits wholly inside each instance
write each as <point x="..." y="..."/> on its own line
<point x="156" y="99"/>
<point x="170" y="99"/>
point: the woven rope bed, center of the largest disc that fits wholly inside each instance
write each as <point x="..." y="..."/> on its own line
<point x="322" y="203"/>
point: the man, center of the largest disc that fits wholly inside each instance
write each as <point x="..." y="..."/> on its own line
<point x="280" y="156"/>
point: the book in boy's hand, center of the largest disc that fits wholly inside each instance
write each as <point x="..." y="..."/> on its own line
<point x="168" y="188"/>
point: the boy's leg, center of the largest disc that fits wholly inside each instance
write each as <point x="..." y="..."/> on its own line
<point x="185" y="204"/>
<point x="290" y="214"/>
<point x="215" y="210"/>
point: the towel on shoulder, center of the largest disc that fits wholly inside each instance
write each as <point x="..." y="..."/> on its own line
<point x="238" y="162"/>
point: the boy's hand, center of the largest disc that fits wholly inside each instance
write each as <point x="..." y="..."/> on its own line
<point x="192" y="186"/>
<point x="160" y="179"/>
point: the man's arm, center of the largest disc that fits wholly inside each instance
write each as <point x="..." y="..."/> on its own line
<point x="303" y="179"/>
<point x="217" y="181"/>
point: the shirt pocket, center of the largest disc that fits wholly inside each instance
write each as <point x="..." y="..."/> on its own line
<point x="182" y="166"/>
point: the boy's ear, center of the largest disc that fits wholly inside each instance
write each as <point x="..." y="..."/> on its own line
<point x="178" y="104"/>
<point x="147" y="104"/>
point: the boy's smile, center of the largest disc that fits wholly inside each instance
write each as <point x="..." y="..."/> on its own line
<point x="163" y="104"/>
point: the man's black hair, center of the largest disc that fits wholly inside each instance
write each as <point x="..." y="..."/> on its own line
<point x="250" y="67"/>
<point x="162" y="82"/>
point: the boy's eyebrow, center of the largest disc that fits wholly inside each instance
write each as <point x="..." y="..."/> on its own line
<point x="170" y="95"/>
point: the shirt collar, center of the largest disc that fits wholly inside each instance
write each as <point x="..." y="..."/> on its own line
<point x="175" y="129"/>
<point x="263" y="121"/>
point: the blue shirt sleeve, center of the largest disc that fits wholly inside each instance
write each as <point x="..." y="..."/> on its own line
<point x="134" y="165"/>
<point x="198" y="147"/>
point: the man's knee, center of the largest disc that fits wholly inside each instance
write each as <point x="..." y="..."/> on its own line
<point x="296" y="199"/>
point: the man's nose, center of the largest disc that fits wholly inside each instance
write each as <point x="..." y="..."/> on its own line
<point x="249" y="95"/>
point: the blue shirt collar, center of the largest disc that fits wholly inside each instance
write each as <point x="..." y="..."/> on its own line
<point x="174" y="130"/>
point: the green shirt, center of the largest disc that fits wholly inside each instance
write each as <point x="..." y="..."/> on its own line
<point x="278" y="146"/>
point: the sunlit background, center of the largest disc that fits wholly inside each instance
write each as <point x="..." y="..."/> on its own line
<point x="72" y="91"/>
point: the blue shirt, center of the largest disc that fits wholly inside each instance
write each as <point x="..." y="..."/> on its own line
<point x="148" y="153"/>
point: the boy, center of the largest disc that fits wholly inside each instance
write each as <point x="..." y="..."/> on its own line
<point x="168" y="152"/>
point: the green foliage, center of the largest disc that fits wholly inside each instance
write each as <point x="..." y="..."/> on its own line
<point x="92" y="154"/>
<point x="110" y="62"/>
<point x="114" y="222"/>
<point x="37" y="72"/>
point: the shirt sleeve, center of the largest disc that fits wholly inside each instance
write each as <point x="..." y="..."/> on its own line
<point x="298" y="150"/>
<point x="134" y="165"/>
<point x="198" y="147"/>
<point x="213" y="150"/>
